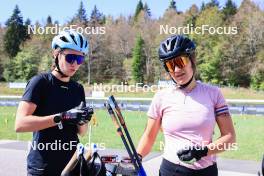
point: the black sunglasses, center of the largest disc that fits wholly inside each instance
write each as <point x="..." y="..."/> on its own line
<point x="71" y="58"/>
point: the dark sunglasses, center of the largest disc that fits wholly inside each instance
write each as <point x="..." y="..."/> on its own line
<point x="180" y="62"/>
<point x="71" y="58"/>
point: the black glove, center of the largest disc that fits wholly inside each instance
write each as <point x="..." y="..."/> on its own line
<point x="192" y="154"/>
<point x="78" y="115"/>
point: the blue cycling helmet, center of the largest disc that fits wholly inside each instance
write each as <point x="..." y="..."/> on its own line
<point x="70" y="39"/>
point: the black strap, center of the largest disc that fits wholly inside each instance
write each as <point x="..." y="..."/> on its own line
<point x="58" y="67"/>
<point x="184" y="85"/>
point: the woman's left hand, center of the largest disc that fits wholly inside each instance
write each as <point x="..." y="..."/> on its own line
<point x="192" y="154"/>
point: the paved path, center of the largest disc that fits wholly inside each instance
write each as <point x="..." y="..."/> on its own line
<point x="13" y="161"/>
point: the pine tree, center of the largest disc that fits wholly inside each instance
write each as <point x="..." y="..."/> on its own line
<point x="139" y="8"/>
<point x="139" y="59"/>
<point x="49" y="21"/>
<point x="16" y="17"/>
<point x="27" y="22"/>
<point x="230" y="9"/>
<point x="96" y="16"/>
<point x="81" y="14"/>
<point x="203" y="6"/>
<point x="172" y="5"/>
<point x="16" y="33"/>
<point x="213" y="3"/>
<point x="147" y="10"/>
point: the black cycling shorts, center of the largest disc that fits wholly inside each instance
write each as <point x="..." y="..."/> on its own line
<point x="171" y="169"/>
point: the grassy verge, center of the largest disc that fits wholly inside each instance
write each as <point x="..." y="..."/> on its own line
<point x="104" y="132"/>
<point x="250" y="135"/>
<point x="230" y="93"/>
<point x="249" y="129"/>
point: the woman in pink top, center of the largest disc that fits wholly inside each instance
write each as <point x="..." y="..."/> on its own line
<point x="187" y="114"/>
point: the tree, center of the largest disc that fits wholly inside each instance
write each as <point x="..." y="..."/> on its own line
<point x="96" y="16"/>
<point x="139" y="8"/>
<point x="209" y="48"/>
<point x="191" y="15"/>
<point x="49" y="21"/>
<point x="138" y="65"/>
<point x="212" y="3"/>
<point x="23" y="66"/>
<point x="229" y="10"/>
<point x="120" y="41"/>
<point x="3" y="55"/>
<point x="172" y="5"/>
<point x="242" y="65"/>
<point x="81" y="14"/>
<point x="147" y="10"/>
<point x="27" y="22"/>
<point x="16" y="33"/>
<point x="203" y="6"/>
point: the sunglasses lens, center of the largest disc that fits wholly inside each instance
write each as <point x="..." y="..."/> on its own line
<point x="71" y="58"/>
<point x="180" y="62"/>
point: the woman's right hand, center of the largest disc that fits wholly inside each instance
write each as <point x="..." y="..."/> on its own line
<point x="78" y="115"/>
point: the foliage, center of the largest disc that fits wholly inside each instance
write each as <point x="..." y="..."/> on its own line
<point x="138" y="65"/>
<point x="96" y="16"/>
<point x="226" y="59"/>
<point x="139" y="8"/>
<point x="230" y="9"/>
<point x="16" y="33"/>
<point x="147" y="10"/>
<point x="172" y="5"/>
<point x="23" y="66"/>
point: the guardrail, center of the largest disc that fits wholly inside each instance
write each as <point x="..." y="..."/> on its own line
<point x="236" y="106"/>
<point x="141" y="99"/>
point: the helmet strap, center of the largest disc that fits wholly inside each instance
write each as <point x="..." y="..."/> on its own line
<point x="183" y="85"/>
<point x="58" y="68"/>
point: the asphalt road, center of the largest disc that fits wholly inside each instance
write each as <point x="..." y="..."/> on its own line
<point x="13" y="161"/>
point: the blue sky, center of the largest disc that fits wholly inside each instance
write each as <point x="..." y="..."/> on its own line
<point x="63" y="10"/>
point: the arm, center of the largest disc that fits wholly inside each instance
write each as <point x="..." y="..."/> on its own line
<point x="226" y="141"/>
<point x="149" y="136"/>
<point x="82" y="129"/>
<point x="26" y="122"/>
<point x="228" y="136"/>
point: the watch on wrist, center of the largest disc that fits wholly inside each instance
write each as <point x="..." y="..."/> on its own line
<point x="57" y="120"/>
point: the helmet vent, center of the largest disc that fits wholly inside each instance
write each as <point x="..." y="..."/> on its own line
<point x="172" y="44"/>
<point x="86" y="43"/>
<point x="73" y="38"/>
<point x="81" y="40"/>
<point x="164" y="47"/>
<point x="64" y="39"/>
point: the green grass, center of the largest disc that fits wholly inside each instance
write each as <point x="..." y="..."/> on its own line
<point x="7" y="118"/>
<point x="249" y="130"/>
<point x="242" y="93"/>
<point x="5" y="90"/>
<point x="104" y="132"/>
<point x="250" y="138"/>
